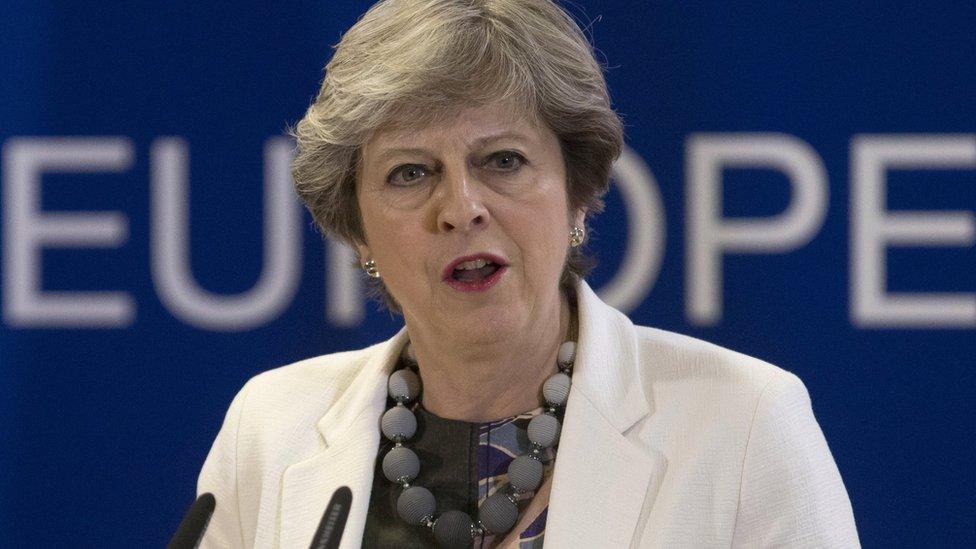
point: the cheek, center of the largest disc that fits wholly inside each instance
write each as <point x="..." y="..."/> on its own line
<point x="379" y="224"/>
<point x="398" y="247"/>
<point x="546" y="237"/>
<point x="397" y="242"/>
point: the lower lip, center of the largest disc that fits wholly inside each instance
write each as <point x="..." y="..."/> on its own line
<point x="477" y="285"/>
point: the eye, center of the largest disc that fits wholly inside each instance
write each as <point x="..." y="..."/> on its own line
<point x="406" y="174"/>
<point x="505" y="161"/>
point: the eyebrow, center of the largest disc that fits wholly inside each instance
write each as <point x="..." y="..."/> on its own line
<point x="391" y="153"/>
<point x="479" y="142"/>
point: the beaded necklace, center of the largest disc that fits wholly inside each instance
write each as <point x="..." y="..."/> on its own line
<point x="499" y="512"/>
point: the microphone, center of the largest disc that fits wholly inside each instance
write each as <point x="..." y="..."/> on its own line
<point x="333" y="520"/>
<point x="190" y="531"/>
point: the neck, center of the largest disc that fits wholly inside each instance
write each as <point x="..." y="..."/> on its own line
<point x="487" y="380"/>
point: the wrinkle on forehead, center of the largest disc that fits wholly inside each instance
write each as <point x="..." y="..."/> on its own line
<point x="410" y="118"/>
<point x="505" y="118"/>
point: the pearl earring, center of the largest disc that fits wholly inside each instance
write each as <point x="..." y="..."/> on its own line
<point x="576" y="236"/>
<point x="371" y="270"/>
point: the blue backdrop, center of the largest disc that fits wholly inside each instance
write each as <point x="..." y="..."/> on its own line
<point x="799" y="186"/>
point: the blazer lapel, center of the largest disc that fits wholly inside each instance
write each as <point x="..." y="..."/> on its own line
<point x="350" y="436"/>
<point x="603" y="479"/>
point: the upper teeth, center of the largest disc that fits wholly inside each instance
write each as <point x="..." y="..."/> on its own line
<point x="475" y="264"/>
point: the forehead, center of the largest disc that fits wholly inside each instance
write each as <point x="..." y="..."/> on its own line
<point x="460" y="124"/>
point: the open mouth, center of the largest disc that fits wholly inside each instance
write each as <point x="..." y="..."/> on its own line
<point x="474" y="273"/>
<point x="475" y="270"/>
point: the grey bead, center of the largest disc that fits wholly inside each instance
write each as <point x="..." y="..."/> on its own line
<point x="415" y="503"/>
<point x="453" y="530"/>
<point x="401" y="463"/>
<point x="498" y="513"/>
<point x="556" y="389"/>
<point x="567" y="353"/>
<point x="525" y="473"/>
<point x="404" y="385"/>
<point x="544" y="430"/>
<point x="398" y="422"/>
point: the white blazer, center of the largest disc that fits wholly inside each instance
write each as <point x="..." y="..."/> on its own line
<point x="667" y="441"/>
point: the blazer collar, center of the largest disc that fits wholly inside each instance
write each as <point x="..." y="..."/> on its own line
<point x="367" y="390"/>
<point x="606" y="366"/>
<point x="604" y="480"/>
<point x="350" y="438"/>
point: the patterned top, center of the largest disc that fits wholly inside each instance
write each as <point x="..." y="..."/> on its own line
<point x="499" y="442"/>
<point x="462" y="463"/>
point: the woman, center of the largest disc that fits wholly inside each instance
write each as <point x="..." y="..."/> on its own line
<point x="459" y="146"/>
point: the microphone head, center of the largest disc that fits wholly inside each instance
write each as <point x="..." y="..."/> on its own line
<point x="191" y="529"/>
<point x="333" y="522"/>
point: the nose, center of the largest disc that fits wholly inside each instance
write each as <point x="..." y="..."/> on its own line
<point x="461" y="206"/>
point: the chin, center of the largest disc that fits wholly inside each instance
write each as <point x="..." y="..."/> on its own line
<point x="490" y="324"/>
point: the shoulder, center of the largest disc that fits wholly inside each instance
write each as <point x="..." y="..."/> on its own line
<point x="742" y="446"/>
<point x="708" y="400"/>
<point x="325" y="372"/>
<point x="271" y="423"/>
<point x="749" y="428"/>
<point x="285" y="404"/>
<point x="696" y="386"/>
<point x="672" y="365"/>
<point x="685" y="361"/>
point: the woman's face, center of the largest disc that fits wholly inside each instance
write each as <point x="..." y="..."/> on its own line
<point x="467" y="222"/>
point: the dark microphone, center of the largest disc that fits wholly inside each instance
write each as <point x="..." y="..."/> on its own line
<point x="190" y="531"/>
<point x="333" y="520"/>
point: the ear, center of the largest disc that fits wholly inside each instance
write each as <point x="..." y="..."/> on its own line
<point x="579" y="218"/>
<point x="362" y="253"/>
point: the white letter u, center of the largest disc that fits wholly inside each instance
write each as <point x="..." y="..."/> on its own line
<point x="171" y="272"/>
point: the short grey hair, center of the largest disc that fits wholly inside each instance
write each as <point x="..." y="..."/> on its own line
<point x="425" y="61"/>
